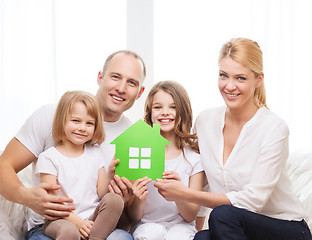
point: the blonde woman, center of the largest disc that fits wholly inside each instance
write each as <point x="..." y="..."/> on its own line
<point x="244" y="148"/>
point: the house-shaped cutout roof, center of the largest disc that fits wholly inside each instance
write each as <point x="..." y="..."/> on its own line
<point x="141" y="151"/>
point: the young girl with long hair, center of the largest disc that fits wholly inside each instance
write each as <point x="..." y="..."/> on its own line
<point x="77" y="165"/>
<point x="168" y="104"/>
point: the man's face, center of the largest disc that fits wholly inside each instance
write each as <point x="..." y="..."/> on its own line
<point x="120" y="85"/>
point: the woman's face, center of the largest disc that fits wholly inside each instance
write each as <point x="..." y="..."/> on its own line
<point x="237" y="84"/>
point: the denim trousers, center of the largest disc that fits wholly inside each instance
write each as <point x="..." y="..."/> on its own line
<point x="36" y="233"/>
<point x="227" y="222"/>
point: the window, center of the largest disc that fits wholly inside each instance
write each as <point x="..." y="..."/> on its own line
<point x="139" y="158"/>
<point x="49" y="47"/>
<point x="188" y="37"/>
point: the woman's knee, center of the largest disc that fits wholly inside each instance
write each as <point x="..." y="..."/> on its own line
<point x="202" y="235"/>
<point x="221" y="213"/>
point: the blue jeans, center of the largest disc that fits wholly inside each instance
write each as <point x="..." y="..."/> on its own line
<point x="119" y="234"/>
<point x="228" y="222"/>
<point x="36" y="233"/>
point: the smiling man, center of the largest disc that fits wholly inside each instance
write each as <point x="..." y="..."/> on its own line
<point x="120" y="84"/>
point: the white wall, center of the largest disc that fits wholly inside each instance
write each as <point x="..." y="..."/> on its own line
<point x="49" y="47"/>
<point x="188" y="39"/>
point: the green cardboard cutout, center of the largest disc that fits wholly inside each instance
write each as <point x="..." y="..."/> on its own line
<point x="141" y="151"/>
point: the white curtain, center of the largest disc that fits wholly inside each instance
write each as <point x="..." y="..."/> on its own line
<point x="188" y="39"/>
<point x="49" y="47"/>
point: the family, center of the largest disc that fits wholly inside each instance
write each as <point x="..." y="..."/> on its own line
<point x="239" y="149"/>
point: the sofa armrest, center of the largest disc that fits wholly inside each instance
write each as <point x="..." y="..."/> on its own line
<point x="299" y="168"/>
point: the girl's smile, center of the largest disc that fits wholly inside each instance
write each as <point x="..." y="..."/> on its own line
<point x="163" y="111"/>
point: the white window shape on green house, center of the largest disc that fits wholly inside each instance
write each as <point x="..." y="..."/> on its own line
<point x="141" y="151"/>
<point x="139" y="157"/>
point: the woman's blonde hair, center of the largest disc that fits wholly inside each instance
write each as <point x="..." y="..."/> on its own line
<point x="64" y="109"/>
<point x="249" y="54"/>
<point x="184" y="116"/>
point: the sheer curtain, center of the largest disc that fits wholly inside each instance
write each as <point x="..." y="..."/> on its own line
<point x="49" y="47"/>
<point x="188" y="39"/>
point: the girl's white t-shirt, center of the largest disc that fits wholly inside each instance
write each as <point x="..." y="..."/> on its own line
<point x="77" y="176"/>
<point x="36" y="136"/>
<point x="159" y="210"/>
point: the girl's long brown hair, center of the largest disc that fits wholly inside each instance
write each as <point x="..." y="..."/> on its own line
<point x="184" y="117"/>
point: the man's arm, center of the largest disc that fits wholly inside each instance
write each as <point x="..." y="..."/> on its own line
<point x="15" y="158"/>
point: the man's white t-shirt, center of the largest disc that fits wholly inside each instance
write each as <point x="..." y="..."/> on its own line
<point x="36" y="136"/>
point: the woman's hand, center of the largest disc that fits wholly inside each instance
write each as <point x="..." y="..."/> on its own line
<point x="171" y="190"/>
<point x="168" y="186"/>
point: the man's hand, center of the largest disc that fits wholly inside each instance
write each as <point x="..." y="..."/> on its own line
<point x="121" y="186"/>
<point x="48" y="205"/>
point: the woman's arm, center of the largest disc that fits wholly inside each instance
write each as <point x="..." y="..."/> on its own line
<point x="173" y="190"/>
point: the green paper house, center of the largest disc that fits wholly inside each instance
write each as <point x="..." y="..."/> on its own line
<point x="141" y="151"/>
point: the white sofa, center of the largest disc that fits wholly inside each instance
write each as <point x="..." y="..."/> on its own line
<point x="13" y="216"/>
